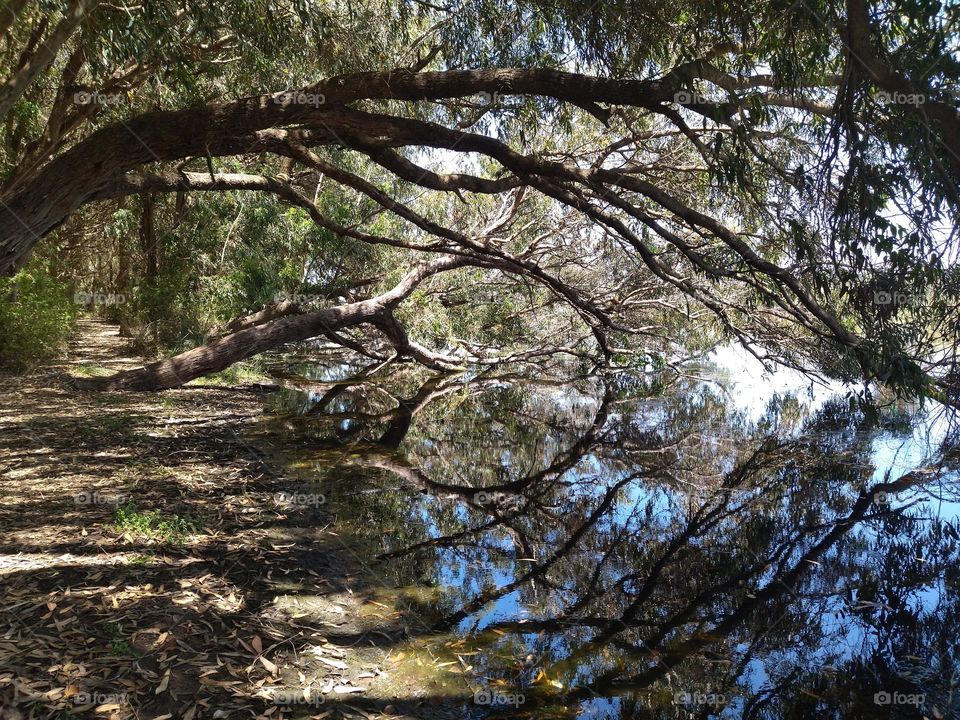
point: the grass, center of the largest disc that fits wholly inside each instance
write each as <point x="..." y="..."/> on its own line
<point x="154" y="525"/>
<point x="236" y="374"/>
<point x="114" y="423"/>
<point x="90" y="370"/>
<point x="118" y="643"/>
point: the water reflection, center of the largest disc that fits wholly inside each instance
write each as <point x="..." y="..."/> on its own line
<point x="629" y="547"/>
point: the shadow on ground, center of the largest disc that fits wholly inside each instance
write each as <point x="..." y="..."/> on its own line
<point x="149" y="569"/>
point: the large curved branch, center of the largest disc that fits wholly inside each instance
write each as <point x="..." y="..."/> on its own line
<point x="42" y="202"/>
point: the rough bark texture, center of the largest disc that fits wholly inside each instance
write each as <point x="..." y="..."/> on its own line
<point x="270" y="312"/>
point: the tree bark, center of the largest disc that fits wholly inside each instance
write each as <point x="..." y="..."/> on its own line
<point x="225" y="351"/>
<point x="124" y="282"/>
<point x="270" y="312"/>
<point x="148" y="240"/>
<point x="864" y="55"/>
<point x="43" y="201"/>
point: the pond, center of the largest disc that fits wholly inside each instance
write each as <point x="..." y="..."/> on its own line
<point x="725" y="542"/>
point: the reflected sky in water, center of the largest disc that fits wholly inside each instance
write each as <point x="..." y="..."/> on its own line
<point x="732" y="543"/>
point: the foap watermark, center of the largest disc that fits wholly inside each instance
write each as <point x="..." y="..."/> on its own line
<point x="97" y="498"/>
<point x="508" y="501"/>
<point x="298" y="97"/>
<point x="698" y="697"/>
<point x="86" y="298"/>
<point x="98" y="698"/>
<point x="291" y="696"/>
<point x="298" y="298"/>
<point x="491" y="697"/>
<point x="883" y="297"/>
<point x="898" y="698"/>
<point x="85" y="97"/>
<point x="690" y="97"/>
<point x="882" y="498"/>
<point x="490" y="98"/>
<point x="900" y="98"/>
<point x="299" y="498"/>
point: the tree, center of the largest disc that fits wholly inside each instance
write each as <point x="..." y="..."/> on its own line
<point x="739" y="161"/>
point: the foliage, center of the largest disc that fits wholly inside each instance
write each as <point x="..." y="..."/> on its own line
<point x="35" y="320"/>
<point x="155" y="525"/>
<point x="797" y="192"/>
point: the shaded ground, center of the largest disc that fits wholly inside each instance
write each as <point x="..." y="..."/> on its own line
<point x="149" y="569"/>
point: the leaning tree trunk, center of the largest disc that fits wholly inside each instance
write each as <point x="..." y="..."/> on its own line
<point x="225" y="351"/>
<point x="269" y="312"/>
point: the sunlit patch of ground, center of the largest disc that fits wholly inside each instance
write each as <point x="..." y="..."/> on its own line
<point x="148" y="569"/>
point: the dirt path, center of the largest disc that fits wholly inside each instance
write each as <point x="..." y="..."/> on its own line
<point x="148" y="568"/>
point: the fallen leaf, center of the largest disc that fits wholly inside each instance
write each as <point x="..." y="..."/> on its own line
<point x="164" y="681"/>
<point x="334" y="663"/>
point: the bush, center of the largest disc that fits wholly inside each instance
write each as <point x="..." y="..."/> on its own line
<point x="36" y="319"/>
<point x="153" y="524"/>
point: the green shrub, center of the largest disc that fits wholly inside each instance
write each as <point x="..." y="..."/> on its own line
<point x="154" y="525"/>
<point x="36" y="319"/>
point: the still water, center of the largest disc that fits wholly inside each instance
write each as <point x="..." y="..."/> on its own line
<point x="724" y="543"/>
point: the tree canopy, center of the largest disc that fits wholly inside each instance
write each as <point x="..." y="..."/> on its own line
<point x="476" y="183"/>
